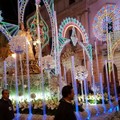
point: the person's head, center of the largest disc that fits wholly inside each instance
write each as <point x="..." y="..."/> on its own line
<point x="5" y="94"/>
<point x="67" y="92"/>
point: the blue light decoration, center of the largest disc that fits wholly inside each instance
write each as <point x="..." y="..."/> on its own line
<point x="109" y="13"/>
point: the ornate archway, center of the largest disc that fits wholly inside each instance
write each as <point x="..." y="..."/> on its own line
<point x="63" y="41"/>
<point x="72" y="22"/>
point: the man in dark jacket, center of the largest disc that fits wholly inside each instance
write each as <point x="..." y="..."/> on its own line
<point x="65" y="109"/>
<point x="6" y="107"/>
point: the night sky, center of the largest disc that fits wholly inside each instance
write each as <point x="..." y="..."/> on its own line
<point x="9" y="10"/>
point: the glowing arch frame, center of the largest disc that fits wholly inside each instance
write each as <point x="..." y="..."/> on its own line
<point x="72" y="22"/>
<point x="22" y="5"/>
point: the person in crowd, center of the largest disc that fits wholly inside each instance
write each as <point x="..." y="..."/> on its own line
<point x="6" y="107"/>
<point x="65" y="109"/>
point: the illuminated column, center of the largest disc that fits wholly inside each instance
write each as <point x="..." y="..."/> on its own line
<point x="58" y="54"/>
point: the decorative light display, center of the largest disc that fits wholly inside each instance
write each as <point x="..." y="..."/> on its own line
<point x="3" y="30"/>
<point x="31" y="23"/>
<point x="81" y="73"/>
<point x="106" y="15"/>
<point x="18" y="44"/>
<point x="11" y="29"/>
<point x="49" y="4"/>
<point x="8" y="29"/>
<point x="48" y="62"/>
<point x="74" y="37"/>
<point x="21" y="9"/>
<point x="10" y="61"/>
<point x="115" y="38"/>
<point x="66" y="23"/>
<point x="72" y="22"/>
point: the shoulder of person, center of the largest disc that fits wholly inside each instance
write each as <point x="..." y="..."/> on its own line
<point x="1" y="100"/>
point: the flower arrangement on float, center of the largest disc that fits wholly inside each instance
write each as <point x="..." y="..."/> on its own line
<point x="52" y="104"/>
<point x="37" y="106"/>
<point x="91" y="99"/>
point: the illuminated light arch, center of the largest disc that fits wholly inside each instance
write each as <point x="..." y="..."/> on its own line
<point x="49" y="4"/>
<point x="87" y="48"/>
<point x="108" y="13"/>
<point x="21" y="7"/>
<point x="72" y="22"/>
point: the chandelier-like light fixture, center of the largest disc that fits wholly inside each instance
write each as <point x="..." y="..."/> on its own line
<point x="10" y="61"/>
<point x="18" y="44"/>
<point x="81" y="73"/>
<point x="48" y="62"/>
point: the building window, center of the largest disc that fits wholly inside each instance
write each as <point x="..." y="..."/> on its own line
<point x="71" y="2"/>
